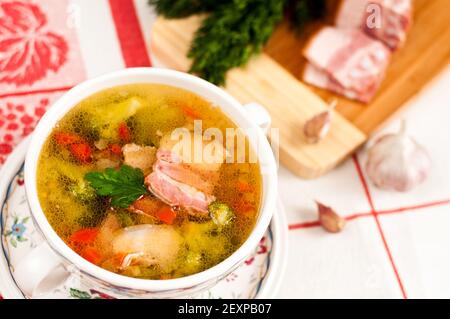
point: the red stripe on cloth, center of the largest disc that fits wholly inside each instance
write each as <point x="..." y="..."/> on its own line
<point x="391" y="259"/>
<point x="414" y="207"/>
<point x="304" y="225"/>
<point x="363" y="182"/>
<point x="316" y="223"/>
<point x="377" y="221"/>
<point x="129" y="32"/>
<point x="41" y="91"/>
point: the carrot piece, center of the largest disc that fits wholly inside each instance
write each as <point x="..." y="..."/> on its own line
<point x="190" y="112"/>
<point x="166" y="215"/>
<point x="243" y="207"/>
<point x="76" y="144"/>
<point x="146" y="205"/>
<point x="84" y="236"/>
<point x="124" y="132"/>
<point x="92" y="255"/>
<point x="115" y="149"/>
<point x="81" y="151"/>
<point x="66" y="139"/>
<point x="119" y="258"/>
<point x="244" y="187"/>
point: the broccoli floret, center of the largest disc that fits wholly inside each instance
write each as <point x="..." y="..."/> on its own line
<point x="117" y="113"/>
<point x="82" y="191"/>
<point x="193" y="262"/>
<point x="221" y="213"/>
<point x="124" y="218"/>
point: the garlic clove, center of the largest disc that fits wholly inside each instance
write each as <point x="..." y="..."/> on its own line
<point x="317" y="127"/>
<point x="397" y="162"/>
<point x="329" y="219"/>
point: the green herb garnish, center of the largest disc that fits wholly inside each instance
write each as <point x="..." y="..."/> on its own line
<point x="124" y="185"/>
<point x="235" y="30"/>
<point x="231" y="34"/>
<point x="184" y="8"/>
<point x="303" y="11"/>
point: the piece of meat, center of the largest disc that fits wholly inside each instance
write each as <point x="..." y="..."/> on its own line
<point x="146" y="205"/>
<point x="141" y="157"/>
<point x="106" y="233"/>
<point x="183" y="178"/>
<point x="177" y="194"/>
<point x="104" y="163"/>
<point x="354" y="63"/>
<point x="204" y="181"/>
<point x="186" y="152"/>
<point x="317" y="77"/>
<point x="386" y="20"/>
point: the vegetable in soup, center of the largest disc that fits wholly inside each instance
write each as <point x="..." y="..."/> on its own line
<point x="122" y="192"/>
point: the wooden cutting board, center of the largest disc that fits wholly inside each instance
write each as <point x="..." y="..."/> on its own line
<point x="273" y="80"/>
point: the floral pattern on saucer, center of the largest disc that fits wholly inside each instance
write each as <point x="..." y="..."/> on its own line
<point x="16" y="233"/>
<point x="19" y="236"/>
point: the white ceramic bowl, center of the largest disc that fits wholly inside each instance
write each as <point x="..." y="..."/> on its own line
<point x="45" y="262"/>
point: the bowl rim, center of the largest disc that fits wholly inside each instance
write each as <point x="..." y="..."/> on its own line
<point x="178" y="79"/>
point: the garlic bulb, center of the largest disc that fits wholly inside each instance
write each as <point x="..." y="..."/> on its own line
<point x="397" y="162"/>
<point x="317" y="127"/>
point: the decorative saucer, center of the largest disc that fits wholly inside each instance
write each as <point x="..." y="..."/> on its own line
<point x="257" y="277"/>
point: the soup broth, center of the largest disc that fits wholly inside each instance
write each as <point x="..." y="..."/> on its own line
<point x="114" y="188"/>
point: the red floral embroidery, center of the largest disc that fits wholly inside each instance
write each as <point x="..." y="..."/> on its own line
<point x="16" y="122"/>
<point x="27" y="50"/>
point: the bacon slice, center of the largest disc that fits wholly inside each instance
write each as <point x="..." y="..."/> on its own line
<point x="347" y="62"/>
<point x="317" y="77"/>
<point x="177" y="194"/>
<point x="394" y="19"/>
<point x="181" y="183"/>
<point x="203" y="181"/>
<point x="175" y="151"/>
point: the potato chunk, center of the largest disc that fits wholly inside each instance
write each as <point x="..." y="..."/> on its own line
<point x="141" y="157"/>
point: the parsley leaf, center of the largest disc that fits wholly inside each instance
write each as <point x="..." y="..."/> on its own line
<point x="124" y="185"/>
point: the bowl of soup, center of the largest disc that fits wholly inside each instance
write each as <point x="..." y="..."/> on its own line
<point x="149" y="181"/>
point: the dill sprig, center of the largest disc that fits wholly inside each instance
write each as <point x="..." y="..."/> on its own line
<point x="185" y="8"/>
<point x="231" y="34"/>
<point x="234" y="30"/>
<point x="303" y="11"/>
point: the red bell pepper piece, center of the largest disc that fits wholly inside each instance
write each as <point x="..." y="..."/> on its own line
<point x="92" y="255"/>
<point x="244" y="187"/>
<point x="124" y="132"/>
<point x="190" y="112"/>
<point x="84" y="236"/>
<point x="243" y="207"/>
<point x="116" y="149"/>
<point x="66" y="139"/>
<point x="166" y="215"/>
<point x="81" y="151"/>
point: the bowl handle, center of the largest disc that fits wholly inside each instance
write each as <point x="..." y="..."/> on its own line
<point x="258" y="114"/>
<point x="40" y="271"/>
